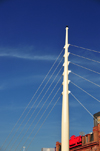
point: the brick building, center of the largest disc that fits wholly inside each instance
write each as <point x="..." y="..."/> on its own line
<point x="89" y="142"/>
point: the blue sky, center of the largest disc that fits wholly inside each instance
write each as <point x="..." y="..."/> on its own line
<point x="32" y="34"/>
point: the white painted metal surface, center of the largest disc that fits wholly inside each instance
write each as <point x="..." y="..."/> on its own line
<point x="48" y="149"/>
<point x="65" y="102"/>
<point x="23" y="148"/>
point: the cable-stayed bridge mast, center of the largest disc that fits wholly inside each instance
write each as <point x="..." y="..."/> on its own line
<point x="65" y="102"/>
<point x="17" y="140"/>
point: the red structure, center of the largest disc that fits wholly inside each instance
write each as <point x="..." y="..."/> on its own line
<point x="88" y="142"/>
<point x="75" y="141"/>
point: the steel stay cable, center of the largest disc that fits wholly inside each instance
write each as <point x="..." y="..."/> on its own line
<point x="84" y="58"/>
<point x="43" y="123"/>
<point x="41" y="116"/>
<point x="85" y="79"/>
<point x="36" y="107"/>
<point x="38" y="113"/>
<point x="31" y="99"/>
<point x="85" y="91"/>
<point x="84" y="48"/>
<point x="33" y="104"/>
<point x="82" y="105"/>
<point x="84" y="67"/>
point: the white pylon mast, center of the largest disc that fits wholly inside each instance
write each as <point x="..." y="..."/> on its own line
<point x="65" y="101"/>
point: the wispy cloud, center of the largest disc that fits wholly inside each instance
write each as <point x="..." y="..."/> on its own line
<point x="27" y="52"/>
<point x="20" y="81"/>
<point x="24" y="80"/>
<point x="2" y="87"/>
